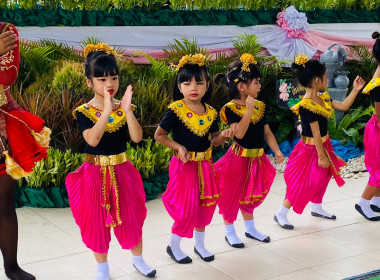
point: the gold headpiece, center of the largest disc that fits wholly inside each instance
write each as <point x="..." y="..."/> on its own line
<point x="102" y="47"/>
<point x="301" y="60"/>
<point x="247" y="59"/>
<point x="193" y="59"/>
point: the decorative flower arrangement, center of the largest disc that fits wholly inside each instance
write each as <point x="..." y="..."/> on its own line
<point x="284" y="95"/>
<point x="293" y="22"/>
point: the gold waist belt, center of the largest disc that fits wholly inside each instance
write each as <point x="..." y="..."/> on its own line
<point x="311" y="141"/>
<point x="251" y="153"/>
<point x="198" y="156"/>
<point x="205" y="200"/>
<point x="107" y="166"/>
<point x="106" y="160"/>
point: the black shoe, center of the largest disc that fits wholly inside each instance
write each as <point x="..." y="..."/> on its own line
<point x="286" y="226"/>
<point x="375" y="208"/>
<point x="315" y="214"/>
<point x="359" y="209"/>
<point x="206" y="259"/>
<point x="185" y="260"/>
<point x="266" y="240"/>
<point x="239" y="245"/>
<point x="149" y="275"/>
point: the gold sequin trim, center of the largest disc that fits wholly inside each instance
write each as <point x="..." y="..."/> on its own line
<point x="375" y="82"/>
<point x="252" y="198"/>
<point x="107" y="163"/>
<point x="243" y="152"/>
<point x="311" y="140"/>
<point x="199" y="124"/>
<point x="238" y="109"/>
<point x="324" y="110"/>
<point x="116" y="120"/>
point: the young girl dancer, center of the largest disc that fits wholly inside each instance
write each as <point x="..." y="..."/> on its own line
<point x="107" y="190"/>
<point x="369" y="203"/>
<point x="23" y="141"/>
<point x="244" y="173"/>
<point x="313" y="162"/>
<point x="191" y="194"/>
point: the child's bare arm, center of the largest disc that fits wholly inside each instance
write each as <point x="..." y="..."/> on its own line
<point x="93" y="135"/>
<point x="322" y="158"/>
<point x="272" y="143"/>
<point x="346" y="104"/>
<point x="161" y="136"/>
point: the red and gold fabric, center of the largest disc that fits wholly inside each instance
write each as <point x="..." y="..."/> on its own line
<point x="24" y="139"/>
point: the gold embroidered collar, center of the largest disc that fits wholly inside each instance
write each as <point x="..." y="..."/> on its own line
<point x="308" y="104"/>
<point x="375" y="82"/>
<point x="199" y="124"/>
<point x="116" y="120"/>
<point x="240" y="110"/>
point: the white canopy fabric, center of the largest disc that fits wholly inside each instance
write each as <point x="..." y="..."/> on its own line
<point x="155" y="38"/>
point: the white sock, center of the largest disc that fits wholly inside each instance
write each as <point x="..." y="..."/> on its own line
<point x="231" y="235"/>
<point x="317" y="208"/>
<point x="282" y="216"/>
<point x="251" y="229"/>
<point x="200" y="244"/>
<point x="102" y="272"/>
<point x="375" y="201"/>
<point x="364" y="204"/>
<point x="174" y="244"/>
<point x="140" y="265"/>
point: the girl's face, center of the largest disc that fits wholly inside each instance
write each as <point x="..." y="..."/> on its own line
<point x="252" y="88"/>
<point x="110" y="83"/>
<point x="192" y="90"/>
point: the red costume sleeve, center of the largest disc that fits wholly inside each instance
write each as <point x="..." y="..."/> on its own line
<point x="9" y="62"/>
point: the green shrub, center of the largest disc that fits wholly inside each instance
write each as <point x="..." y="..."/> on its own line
<point x="151" y="158"/>
<point x="350" y="126"/>
<point x="152" y="101"/>
<point x="52" y="171"/>
<point x="69" y="76"/>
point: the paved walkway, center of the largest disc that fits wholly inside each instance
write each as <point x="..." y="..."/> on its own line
<point x="50" y="245"/>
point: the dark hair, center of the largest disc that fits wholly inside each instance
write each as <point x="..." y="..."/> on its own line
<point x="312" y="69"/>
<point x="376" y="46"/>
<point x="100" y="64"/>
<point x="186" y="73"/>
<point x="235" y="72"/>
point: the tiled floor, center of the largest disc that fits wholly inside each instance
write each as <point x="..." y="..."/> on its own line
<point x="50" y="245"/>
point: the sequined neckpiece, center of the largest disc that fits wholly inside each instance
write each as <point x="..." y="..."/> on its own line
<point x="375" y="82"/>
<point x="199" y="124"/>
<point x="325" y="110"/>
<point x="258" y="111"/>
<point x="116" y="120"/>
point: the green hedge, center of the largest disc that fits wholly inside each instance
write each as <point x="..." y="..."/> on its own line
<point x="56" y="197"/>
<point x="139" y="17"/>
<point x="153" y="5"/>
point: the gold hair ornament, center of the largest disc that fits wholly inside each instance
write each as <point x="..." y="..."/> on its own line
<point x="193" y="59"/>
<point x="100" y="47"/>
<point x="247" y="59"/>
<point x="301" y="60"/>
